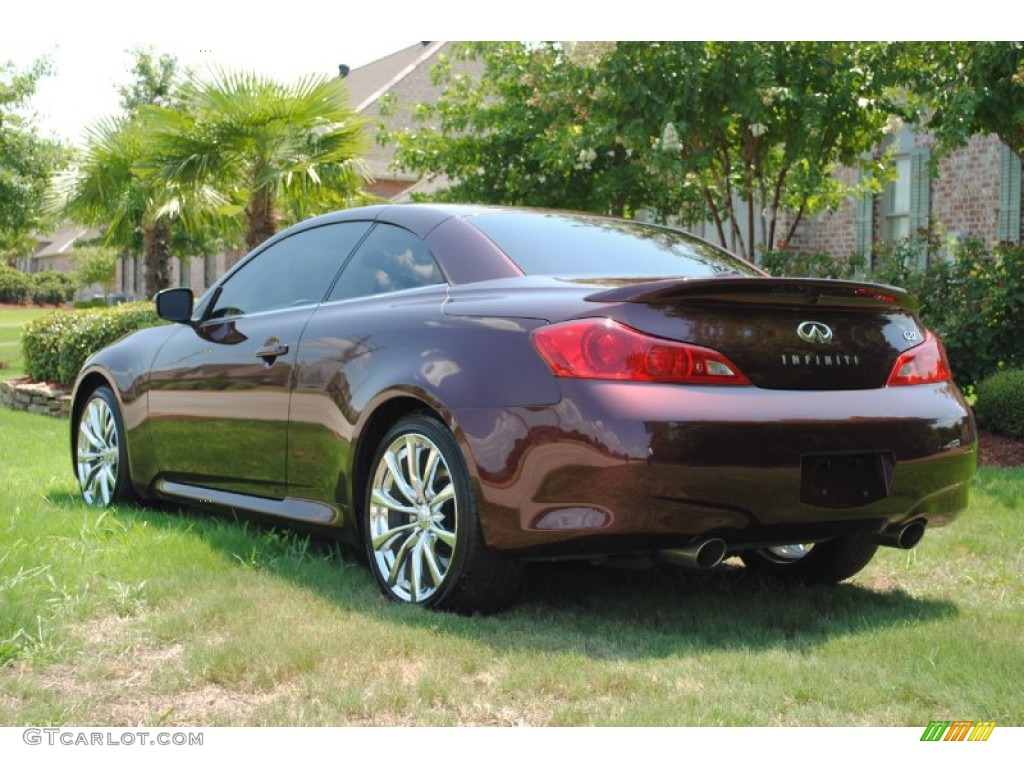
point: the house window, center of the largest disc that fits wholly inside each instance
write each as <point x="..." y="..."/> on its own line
<point x="905" y="204"/>
<point x="896" y="202"/>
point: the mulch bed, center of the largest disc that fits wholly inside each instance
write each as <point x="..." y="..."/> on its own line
<point x="999" y="451"/>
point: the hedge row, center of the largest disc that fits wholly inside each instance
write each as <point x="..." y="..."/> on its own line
<point x="47" y="287"/>
<point x="56" y="345"/>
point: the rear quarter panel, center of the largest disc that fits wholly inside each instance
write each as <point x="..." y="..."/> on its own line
<point x="355" y="356"/>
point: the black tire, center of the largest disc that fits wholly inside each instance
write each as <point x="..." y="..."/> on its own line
<point x="421" y="528"/>
<point x="101" y="451"/>
<point x="828" y="562"/>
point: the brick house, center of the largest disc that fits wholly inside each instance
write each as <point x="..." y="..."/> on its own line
<point x="975" y="194"/>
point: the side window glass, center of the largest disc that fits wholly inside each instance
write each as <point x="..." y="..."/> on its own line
<point x="293" y="272"/>
<point x="390" y="259"/>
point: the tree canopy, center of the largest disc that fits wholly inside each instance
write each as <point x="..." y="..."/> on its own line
<point x="735" y="132"/>
<point x="105" y="187"/>
<point x="195" y="159"/>
<point x="27" y="159"/>
<point x="532" y="129"/>
<point x="969" y="87"/>
<point x="269" y="150"/>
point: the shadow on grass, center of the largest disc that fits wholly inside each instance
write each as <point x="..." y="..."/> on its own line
<point x="574" y="607"/>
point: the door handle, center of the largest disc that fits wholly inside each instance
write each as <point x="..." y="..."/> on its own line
<point x="271" y="351"/>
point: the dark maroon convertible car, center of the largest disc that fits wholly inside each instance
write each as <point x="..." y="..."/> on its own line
<point x="460" y="390"/>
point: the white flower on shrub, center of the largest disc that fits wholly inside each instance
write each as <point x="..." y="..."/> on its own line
<point x="670" y="138"/>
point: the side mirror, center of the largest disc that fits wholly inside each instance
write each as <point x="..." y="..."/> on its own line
<point x="175" y="304"/>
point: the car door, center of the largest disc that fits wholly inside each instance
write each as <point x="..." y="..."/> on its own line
<point x="220" y="389"/>
<point x="365" y="328"/>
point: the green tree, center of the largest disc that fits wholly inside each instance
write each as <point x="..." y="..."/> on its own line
<point x="735" y="132"/>
<point x="966" y="88"/>
<point x="156" y="78"/>
<point x="96" y="265"/>
<point x="26" y="159"/>
<point x="755" y="129"/>
<point x="522" y="125"/>
<point x="104" y="189"/>
<point x="107" y="187"/>
<point x="255" y="147"/>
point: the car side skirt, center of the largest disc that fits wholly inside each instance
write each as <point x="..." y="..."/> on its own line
<point x="300" y="510"/>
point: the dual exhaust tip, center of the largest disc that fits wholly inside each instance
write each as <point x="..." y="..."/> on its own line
<point x="904" y="537"/>
<point x="702" y="555"/>
<point x="708" y="553"/>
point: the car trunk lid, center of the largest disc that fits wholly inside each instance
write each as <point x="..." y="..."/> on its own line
<point x="795" y="334"/>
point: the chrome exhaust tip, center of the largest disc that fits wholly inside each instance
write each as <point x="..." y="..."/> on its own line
<point x="904" y="537"/>
<point x="701" y="555"/>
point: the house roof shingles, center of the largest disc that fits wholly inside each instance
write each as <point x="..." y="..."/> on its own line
<point x="405" y="77"/>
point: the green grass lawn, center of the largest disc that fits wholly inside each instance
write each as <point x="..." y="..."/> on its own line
<point x="12" y="363"/>
<point x="137" y="616"/>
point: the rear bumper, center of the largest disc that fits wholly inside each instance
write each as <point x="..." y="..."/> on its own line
<point x="624" y="467"/>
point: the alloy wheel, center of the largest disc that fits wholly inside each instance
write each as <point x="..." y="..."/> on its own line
<point x="413" y="518"/>
<point x="98" y="452"/>
<point x="787" y="553"/>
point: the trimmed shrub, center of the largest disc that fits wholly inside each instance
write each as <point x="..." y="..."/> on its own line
<point x="99" y="301"/>
<point x="49" y="287"/>
<point x="56" y="345"/>
<point x="14" y="285"/>
<point x="40" y="342"/>
<point x="1000" y="404"/>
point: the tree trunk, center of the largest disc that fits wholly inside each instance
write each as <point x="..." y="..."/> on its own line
<point x="158" y="258"/>
<point x="261" y="216"/>
<point x="716" y="216"/>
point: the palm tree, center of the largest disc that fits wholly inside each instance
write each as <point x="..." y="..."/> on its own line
<point x="269" y="149"/>
<point x="103" y="188"/>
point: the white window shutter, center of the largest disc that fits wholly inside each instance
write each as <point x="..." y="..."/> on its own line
<point x="920" y="197"/>
<point x="864" y="225"/>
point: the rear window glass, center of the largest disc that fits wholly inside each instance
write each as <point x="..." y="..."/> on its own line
<point x="570" y="245"/>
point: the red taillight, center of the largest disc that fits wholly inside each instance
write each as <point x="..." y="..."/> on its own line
<point x="604" y="349"/>
<point x="924" y="364"/>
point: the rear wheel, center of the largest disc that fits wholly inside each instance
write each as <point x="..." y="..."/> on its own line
<point x="101" y="455"/>
<point x="421" y="530"/>
<point x="827" y="562"/>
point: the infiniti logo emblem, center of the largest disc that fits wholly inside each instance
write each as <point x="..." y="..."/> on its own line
<point x="814" y="332"/>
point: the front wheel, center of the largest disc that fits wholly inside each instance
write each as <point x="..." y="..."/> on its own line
<point x="101" y="455"/>
<point x="421" y="529"/>
<point x="827" y="562"/>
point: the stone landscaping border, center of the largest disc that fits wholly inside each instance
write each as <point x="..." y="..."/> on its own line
<point x="36" y="397"/>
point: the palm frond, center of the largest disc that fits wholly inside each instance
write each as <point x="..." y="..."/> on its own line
<point x="249" y="136"/>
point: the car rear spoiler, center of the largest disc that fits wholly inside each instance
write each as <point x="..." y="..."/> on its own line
<point x="806" y="292"/>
